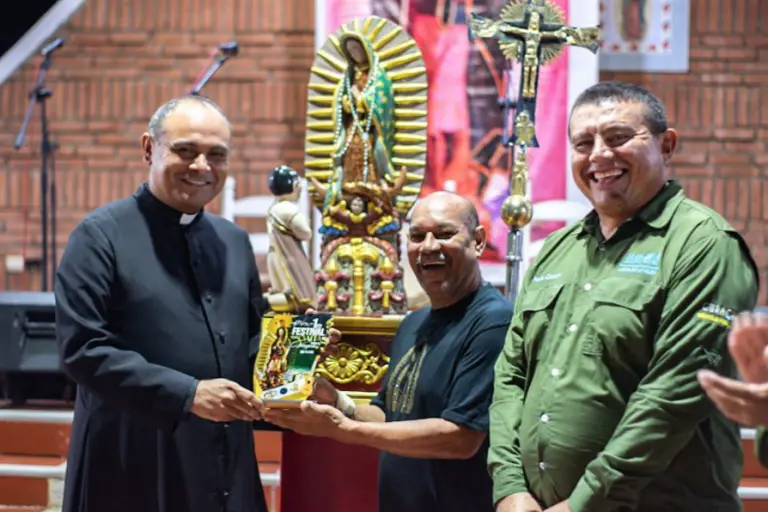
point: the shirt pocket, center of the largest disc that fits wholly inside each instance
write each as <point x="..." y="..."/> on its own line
<point x="537" y="309"/>
<point x="621" y="322"/>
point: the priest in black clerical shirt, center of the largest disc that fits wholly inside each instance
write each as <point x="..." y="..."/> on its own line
<point x="430" y="419"/>
<point x="158" y="312"/>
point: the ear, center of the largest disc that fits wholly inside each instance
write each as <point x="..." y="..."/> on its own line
<point x="480" y="240"/>
<point x="146" y="147"/>
<point x="668" y="144"/>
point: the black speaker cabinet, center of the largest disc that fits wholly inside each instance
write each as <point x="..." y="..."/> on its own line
<point x="29" y="352"/>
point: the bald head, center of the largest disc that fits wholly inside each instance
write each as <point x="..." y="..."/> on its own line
<point x="444" y="201"/>
<point x="157" y="122"/>
<point x="444" y="244"/>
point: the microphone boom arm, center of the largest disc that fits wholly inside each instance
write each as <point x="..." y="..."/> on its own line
<point x="225" y="52"/>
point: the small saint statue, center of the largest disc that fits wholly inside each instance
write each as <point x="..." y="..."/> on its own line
<point x="290" y="272"/>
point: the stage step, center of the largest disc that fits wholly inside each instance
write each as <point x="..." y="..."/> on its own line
<point x="754" y="484"/>
<point x="33" y="449"/>
<point x="34" y="444"/>
<point x="32" y="481"/>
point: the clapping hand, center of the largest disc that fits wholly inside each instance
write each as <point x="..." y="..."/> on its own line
<point x="744" y="402"/>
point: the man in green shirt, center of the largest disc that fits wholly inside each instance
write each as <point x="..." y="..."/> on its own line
<point x="596" y="403"/>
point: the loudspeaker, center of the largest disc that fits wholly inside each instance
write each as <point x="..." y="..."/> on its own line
<point x="28" y="332"/>
<point x="30" y="365"/>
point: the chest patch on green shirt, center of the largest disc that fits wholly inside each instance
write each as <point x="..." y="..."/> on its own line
<point x="546" y="277"/>
<point x="640" y="263"/>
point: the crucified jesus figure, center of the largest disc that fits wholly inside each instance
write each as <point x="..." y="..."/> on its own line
<point x="526" y="36"/>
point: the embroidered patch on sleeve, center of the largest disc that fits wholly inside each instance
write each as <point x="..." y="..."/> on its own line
<point x="715" y="313"/>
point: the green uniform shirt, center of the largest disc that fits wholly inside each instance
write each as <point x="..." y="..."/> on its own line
<point x="596" y="399"/>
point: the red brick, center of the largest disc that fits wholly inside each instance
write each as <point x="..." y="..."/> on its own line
<point x="129" y="38"/>
<point x="722" y="41"/>
<point x="736" y="134"/>
<point x="692" y="170"/>
<point x="736" y="53"/>
<point x="732" y="171"/>
<point x="730" y="158"/>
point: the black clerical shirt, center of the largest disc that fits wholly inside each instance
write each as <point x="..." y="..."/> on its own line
<point x="442" y="367"/>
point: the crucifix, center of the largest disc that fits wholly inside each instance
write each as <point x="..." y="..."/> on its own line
<point x="532" y="32"/>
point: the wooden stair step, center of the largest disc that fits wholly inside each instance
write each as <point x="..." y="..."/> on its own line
<point x="35" y="431"/>
<point x="752" y="467"/>
<point x="32" y="481"/>
<point x="754" y="494"/>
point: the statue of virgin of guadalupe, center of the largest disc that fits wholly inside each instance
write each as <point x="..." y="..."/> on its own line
<point x="363" y="119"/>
<point x="365" y="155"/>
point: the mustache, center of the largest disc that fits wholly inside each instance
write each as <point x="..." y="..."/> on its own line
<point x="440" y="257"/>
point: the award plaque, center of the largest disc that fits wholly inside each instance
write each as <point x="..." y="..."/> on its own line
<point x="288" y="356"/>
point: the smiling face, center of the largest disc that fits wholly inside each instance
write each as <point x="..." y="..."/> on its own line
<point x="189" y="158"/>
<point x="442" y="250"/>
<point x="616" y="161"/>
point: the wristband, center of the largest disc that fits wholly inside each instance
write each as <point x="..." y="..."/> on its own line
<point x="345" y="404"/>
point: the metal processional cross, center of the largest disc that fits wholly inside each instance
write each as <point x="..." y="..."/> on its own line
<point x="532" y="32"/>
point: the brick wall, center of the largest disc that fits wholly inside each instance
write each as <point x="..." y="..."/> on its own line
<point x="118" y="65"/>
<point x="720" y="109"/>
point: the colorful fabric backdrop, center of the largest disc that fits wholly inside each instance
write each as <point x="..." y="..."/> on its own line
<point x="465" y="123"/>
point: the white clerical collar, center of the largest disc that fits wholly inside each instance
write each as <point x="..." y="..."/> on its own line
<point x="187" y="218"/>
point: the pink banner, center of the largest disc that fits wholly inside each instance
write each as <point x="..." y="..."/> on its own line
<point x="465" y="79"/>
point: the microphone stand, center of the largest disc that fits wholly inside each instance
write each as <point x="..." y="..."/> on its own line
<point x="224" y="54"/>
<point x="40" y="95"/>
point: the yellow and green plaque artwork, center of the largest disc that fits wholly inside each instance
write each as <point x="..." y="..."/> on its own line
<point x="365" y="158"/>
<point x="290" y="351"/>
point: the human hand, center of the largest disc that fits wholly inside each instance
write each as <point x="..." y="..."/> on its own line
<point x="224" y="400"/>
<point x="743" y="402"/>
<point x="748" y="345"/>
<point x="518" y="502"/>
<point x="310" y="419"/>
<point x="560" y="507"/>
<point x="334" y="337"/>
<point x="323" y="392"/>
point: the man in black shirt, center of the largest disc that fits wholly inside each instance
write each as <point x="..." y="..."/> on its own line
<point x="430" y="419"/>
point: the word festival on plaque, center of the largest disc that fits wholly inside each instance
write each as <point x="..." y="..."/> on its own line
<point x="283" y="375"/>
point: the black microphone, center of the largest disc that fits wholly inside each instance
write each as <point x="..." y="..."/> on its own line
<point x="229" y="49"/>
<point x="58" y="43"/>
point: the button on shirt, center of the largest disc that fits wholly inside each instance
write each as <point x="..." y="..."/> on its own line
<point x="596" y="399"/>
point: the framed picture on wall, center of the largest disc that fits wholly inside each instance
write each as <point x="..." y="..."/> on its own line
<point x="644" y="35"/>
